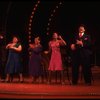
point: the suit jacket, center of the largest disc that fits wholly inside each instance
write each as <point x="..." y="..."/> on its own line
<point x="86" y="48"/>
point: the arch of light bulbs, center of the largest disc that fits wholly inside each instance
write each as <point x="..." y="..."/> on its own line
<point x="51" y="17"/>
<point x="30" y="22"/>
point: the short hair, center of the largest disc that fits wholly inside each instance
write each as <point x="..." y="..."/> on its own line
<point x="82" y="25"/>
<point x="19" y="40"/>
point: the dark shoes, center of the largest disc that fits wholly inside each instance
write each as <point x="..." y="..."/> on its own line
<point x="7" y="81"/>
<point x="88" y="84"/>
<point x="74" y="83"/>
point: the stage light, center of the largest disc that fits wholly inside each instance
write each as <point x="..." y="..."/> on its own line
<point x="60" y="3"/>
<point x="32" y="12"/>
<point x="48" y="24"/>
<point x="29" y="32"/>
<point x="49" y="19"/>
<point x="34" y="9"/>
<point x="38" y="2"/>
<point x="30" y="20"/>
<point x="29" y="28"/>
<point x="29" y="37"/>
<point x="36" y="5"/>
<point x="29" y="24"/>
<point x="56" y="6"/>
<point x="52" y="16"/>
<point x="31" y="16"/>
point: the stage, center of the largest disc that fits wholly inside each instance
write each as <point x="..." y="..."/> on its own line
<point x="29" y="90"/>
<point x="48" y="91"/>
<point x="26" y="20"/>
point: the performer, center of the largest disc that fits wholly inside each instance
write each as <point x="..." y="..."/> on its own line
<point x="55" y="64"/>
<point x="2" y="56"/>
<point x="13" y="65"/>
<point x="81" y="56"/>
<point x="35" y="66"/>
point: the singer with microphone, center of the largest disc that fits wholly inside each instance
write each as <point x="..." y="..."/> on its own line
<point x="55" y="65"/>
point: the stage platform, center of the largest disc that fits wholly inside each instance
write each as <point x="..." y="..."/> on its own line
<point x="28" y="90"/>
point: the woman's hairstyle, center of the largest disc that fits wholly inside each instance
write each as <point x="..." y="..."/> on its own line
<point x="37" y="37"/>
<point x="54" y="33"/>
<point x="17" y="38"/>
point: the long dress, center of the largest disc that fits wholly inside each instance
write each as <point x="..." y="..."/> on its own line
<point x="14" y="62"/>
<point x="56" y="60"/>
<point x="35" y="67"/>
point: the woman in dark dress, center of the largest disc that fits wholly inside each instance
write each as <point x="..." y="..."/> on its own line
<point x="35" y="67"/>
<point x="13" y="65"/>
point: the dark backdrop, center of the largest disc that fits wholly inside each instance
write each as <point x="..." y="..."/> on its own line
<point x="14" y="19"/>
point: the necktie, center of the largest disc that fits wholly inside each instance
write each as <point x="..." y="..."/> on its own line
<point x="80" y="35"/>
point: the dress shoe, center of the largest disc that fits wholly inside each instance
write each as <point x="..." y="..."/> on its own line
<point x="88" y="84"/>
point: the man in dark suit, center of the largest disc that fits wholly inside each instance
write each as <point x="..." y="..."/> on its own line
<point x="81" y="56"/>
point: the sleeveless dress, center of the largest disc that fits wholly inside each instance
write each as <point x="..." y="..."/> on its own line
<point x="14" y="61"/>
<point x="56" y="60"/>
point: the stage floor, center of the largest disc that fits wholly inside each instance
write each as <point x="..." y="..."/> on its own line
<point x="29" y="90"/>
